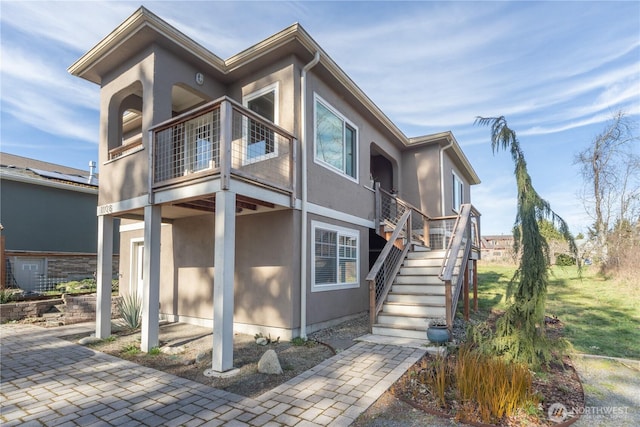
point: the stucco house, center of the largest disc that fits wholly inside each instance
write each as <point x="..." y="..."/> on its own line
<point x="48" y="223"/>
<point x="267" y="193"/>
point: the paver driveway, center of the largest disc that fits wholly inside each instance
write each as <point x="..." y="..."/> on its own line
<point x="49" y="381"/>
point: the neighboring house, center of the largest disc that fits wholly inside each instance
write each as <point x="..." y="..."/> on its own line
<point x="48" y="216"/>
<point x="257" y="192"/>
<point x="498" y="248"/>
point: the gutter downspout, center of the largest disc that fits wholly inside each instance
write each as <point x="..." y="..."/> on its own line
<point x="303" y="199"/>
<point x="442" y="201"/>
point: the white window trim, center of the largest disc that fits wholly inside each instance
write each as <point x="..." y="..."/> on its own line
<point x="316" y="160"/>
<point x="458" y="185"/>
<point x="133" y="281"/>
<point x="275" y="88"/>
<point x="341" y="231"/>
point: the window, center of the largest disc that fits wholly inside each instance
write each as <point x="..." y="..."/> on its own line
<point x="458" y="193"/>
<point x="335" y="140"/>
<point x="260" y="142"/>
<point x="336" y="262"/>
<point x="200" y="148"/>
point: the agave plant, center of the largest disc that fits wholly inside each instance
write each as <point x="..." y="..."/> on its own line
<point x="130" y="307"/>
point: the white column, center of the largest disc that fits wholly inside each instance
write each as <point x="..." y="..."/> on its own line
<point x="224" y="266"/>
<point x="104" y="276"/>
<point x="151" y="281"/>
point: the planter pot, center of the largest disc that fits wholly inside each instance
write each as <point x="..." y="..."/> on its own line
<point x="437" y="334"/>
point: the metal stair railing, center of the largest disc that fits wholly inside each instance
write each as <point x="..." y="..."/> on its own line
<point x="389" y="210"/>
<point x="388" y="265"/>
<point x="458" y="248"/>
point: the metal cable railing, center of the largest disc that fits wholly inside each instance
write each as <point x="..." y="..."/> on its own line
<point x="457" y="235"/>
<point x="225" y="138"/>
<point x="391" y="210"/>
<point x="456" y="257"/>
<point x="388" y="264"/>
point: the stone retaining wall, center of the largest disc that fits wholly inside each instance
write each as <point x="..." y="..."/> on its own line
<point x="23" y="309"/>
<point x="81" y="308"/>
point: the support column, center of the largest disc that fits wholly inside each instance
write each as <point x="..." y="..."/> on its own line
<point x="151" y="281"/>
<point x="104" y="276"/>
<point x="465" y="290"/>
<point x="224" y="267"/>
<point x="475" y="285"/>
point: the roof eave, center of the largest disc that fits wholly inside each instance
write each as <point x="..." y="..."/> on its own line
<point x="144" y="18"/>
<point x="443" y="139"/>
<point x="141" y="18"/>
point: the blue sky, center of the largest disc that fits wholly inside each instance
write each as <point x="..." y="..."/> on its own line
<point x="556" y="70"/>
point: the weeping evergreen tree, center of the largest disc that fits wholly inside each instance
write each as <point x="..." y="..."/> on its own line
<point x="520" y="334"/>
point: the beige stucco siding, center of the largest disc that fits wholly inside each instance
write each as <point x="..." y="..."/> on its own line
<point x="128" y="176"/>
<point x="152" y="76"/>
<point x="330" y="188"/>
<point x="266" y="271"/>
<point x="449" y="169"/>
<point x="421" y="179"/>
<point x="324" y="306"/>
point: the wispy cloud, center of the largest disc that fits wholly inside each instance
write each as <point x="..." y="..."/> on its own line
<point x="553" y="68"/>
<point x="62" y="22"/>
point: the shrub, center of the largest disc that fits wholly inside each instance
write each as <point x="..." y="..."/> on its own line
<point x="299" y="341"/>
<point x="75" y="286"/>
<point x="131" y="349"/>
<point x="5" y="296"/>
<point x="564" y="260"/>
<point x="438" y="378"/>
<point x="130" y="307"/>
<point x="491" y="386"/>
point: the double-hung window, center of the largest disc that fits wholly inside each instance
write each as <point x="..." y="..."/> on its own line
<point x="458" y="192"/>
<point x="336" y="140"/>
<point x="336" y="262"/>
<point x="260" y="142"/>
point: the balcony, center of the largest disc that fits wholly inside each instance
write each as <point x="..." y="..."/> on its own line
<point x="223" y="140"/>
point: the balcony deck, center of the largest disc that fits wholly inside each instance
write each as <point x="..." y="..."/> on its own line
<point x="222" y="146"/>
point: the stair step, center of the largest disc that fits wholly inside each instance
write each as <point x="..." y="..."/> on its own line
<point x="417" y="289"/>
<point x="405" y="321"/>
<point x="416" y="298"/>
<point x="389" y="331"/>
<point x="52" y="315"/>
<point x="419" y="270"/>
<point x="419" y="262"/>
<point x="417" y="280"/>
<point x="410" y="310"/>
<point x="426" y="255"/>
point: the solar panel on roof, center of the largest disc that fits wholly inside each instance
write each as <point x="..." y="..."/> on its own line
<point x="78" y="179"/>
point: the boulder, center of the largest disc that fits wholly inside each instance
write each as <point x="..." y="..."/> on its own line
<point x="89" y="340"/>
<point x="262" y="341"/>
<point x="172" y="350"/>
<point x="269" y="363"/>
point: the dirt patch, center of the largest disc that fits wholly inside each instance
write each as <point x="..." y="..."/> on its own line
<point x="192" y="346"/>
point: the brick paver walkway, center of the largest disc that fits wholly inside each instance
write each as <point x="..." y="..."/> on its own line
<point x="48" y="381"/>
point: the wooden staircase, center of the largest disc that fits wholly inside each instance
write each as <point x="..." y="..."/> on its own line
<point x="417" y="296"/>
<point x="412" y="281"/>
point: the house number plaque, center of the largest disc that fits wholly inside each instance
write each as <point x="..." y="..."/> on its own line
<point x="105" y="209"/>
